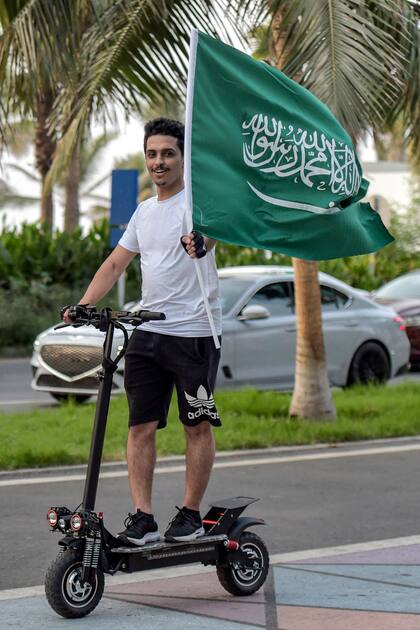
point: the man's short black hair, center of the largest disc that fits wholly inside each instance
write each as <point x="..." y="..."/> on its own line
<point x="165" y="127"/>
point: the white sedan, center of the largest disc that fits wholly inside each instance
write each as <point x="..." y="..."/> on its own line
<point x="365" y="342"/>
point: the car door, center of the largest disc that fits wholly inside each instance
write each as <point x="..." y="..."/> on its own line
<point x="341" y="328"/>
<point x="265" y="348"/>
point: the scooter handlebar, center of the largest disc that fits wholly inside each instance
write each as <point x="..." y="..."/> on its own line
<point x="147" y="316"/>
<point x="82" y="314"/>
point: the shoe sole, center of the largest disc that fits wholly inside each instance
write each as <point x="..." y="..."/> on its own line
<point x="140" y="542"/>
<point x="197" y="534"/>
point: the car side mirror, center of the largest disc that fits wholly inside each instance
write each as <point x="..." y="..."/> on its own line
<point x="253" y="311"/>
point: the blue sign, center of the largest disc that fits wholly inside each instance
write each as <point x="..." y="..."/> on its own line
<point x="124" y="191"/>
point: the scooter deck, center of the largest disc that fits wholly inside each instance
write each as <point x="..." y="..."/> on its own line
<point x="205" y="549"/>
<point x="163" y="545"/>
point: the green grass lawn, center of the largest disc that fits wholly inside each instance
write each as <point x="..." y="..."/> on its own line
<point x="251" y="419"/>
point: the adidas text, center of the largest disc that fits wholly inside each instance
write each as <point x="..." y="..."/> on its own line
<point x="213" y="414"/>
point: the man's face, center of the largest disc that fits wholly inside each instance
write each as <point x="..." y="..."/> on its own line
<point x="164" y="161"/>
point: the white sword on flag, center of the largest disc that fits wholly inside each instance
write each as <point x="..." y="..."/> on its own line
<point x="187" y="173"/>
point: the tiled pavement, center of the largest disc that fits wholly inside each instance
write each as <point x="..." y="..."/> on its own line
<point x="372" y="586"/>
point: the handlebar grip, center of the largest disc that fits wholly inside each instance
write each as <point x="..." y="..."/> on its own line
<point x="147" y="316"/>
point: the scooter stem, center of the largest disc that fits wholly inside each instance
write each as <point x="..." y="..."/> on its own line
<point x="98" y="432"/>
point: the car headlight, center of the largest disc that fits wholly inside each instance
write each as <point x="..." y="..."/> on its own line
<point x="36" y="344"/>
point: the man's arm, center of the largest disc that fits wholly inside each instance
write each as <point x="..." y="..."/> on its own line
<point x="106" y="276"/>
<point x="209" y="243"/>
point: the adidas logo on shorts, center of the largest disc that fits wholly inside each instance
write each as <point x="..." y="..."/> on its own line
<point x="203" y="403"/>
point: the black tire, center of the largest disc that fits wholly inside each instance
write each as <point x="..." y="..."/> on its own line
<point x="63" y="398"/>
<point x="370" y="364"/>
<point x="240" y="580"/>
<point x="66" y="594"/>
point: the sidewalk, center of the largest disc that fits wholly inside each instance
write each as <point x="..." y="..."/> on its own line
<point x="368" y="586"/>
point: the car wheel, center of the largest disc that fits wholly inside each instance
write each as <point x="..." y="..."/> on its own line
<point x="63" y="398"/>
<point x="370" y="364"/>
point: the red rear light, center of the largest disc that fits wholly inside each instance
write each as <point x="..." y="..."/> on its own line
<point x="401" y="323"/>
<point x="232" y="545"/>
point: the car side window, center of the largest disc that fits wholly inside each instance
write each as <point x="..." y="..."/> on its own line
<point x="275" y="297"/>
<point x="332" y="300"/>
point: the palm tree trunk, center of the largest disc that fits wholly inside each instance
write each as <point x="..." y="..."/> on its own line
<point x="72" y="208"/>
<point x="312" y="395"/>
<point x="45" y="145"/>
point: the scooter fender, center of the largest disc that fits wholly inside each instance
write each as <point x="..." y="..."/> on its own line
<point x="241" y="524"/>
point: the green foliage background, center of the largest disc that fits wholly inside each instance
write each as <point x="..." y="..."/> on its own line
<point x="40" y="271"/>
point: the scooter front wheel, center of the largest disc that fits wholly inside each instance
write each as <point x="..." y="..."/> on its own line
<point x="245" y="580"/>
<point x="66" y="592"/>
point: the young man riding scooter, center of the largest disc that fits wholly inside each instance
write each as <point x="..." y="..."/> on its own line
<point x="178" y="351"/>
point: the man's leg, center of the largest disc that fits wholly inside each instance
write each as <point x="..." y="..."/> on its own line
<point x="141" y="459"/>
<point x="199" y="462"/>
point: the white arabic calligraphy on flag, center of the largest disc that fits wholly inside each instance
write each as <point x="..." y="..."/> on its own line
<point x="273" y="147"/>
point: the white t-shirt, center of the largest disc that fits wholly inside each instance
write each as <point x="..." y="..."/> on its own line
<point x="169" y="278"/>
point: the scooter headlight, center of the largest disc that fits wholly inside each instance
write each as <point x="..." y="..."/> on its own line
<point x="52" y="517"/>
<point x="76" y="523"/>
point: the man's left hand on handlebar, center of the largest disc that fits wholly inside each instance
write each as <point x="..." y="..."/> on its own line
<point x="65" y="313"/>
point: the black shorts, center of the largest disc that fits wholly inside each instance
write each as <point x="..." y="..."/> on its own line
<point x="154" y="363"/>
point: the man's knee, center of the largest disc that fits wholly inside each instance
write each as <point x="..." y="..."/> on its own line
<point x="143" y="432"/>
<point x="200" y="431"/>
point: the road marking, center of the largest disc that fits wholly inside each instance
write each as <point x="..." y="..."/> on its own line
<point x="278" y="558"/>
<point x="22" y="403"/>
<point x="263" y="461"/>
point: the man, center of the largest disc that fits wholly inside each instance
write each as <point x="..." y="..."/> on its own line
<point x="179" y="351"/>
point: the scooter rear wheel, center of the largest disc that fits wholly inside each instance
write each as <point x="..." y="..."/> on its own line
<point x="66" y="593"/>
<point x="243" y="580"/>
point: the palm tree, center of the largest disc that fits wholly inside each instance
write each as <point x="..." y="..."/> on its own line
<point x="362" y="60"/>
<point x="29" y="71"/>
<point x="87" y="181"/>
<point x="99" y="54"/>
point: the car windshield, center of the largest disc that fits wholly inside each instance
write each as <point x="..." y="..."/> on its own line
<point x="231" y="289"/>
<point x="404" y="287"/>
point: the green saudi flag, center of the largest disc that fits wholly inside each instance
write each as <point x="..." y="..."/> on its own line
<point x="267" y="165"/>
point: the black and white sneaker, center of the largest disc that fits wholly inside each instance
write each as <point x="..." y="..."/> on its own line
<point x="141" y="528"/>
<point x="186" y="525"/>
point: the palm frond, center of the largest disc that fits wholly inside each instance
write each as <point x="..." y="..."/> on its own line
<point x="91" y="151"/>
<point x="99" y="198"/>
<point x="350" y="56"/>
<point x="29" y="174"/>
<point x="19" y="136"/>
<point x="98" y="182"/>
<point x="408" y="106"/>
<point x="136" y="52"/>
<point x="31" y="45"/>
<point x="9" y="197"/>
<point x="132" y="160"/>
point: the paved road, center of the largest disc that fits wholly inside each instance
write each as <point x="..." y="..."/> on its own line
<point x="310" y="498"/>
<point x="15" y="387"/>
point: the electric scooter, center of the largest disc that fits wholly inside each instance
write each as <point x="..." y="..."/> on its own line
<point x="74" y="581"/>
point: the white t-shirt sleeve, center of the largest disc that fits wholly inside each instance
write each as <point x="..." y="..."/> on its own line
<point x="129" y="239"/>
